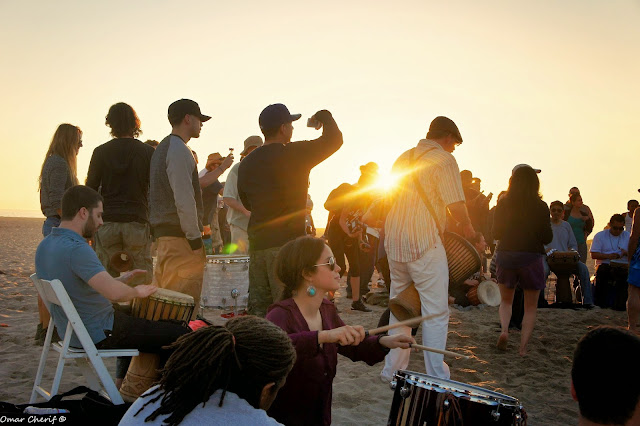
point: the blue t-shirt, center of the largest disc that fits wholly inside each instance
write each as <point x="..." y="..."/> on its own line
<point x="66" y="256"/>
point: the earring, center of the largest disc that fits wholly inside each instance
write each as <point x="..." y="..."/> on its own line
<point x="311" y="291"/>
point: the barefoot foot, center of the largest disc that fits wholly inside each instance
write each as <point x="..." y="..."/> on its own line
<point x="502" y="341"/>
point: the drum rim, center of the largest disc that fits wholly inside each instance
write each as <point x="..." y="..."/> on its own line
<point x="183" y="297"/>
<point x="227" y="258"/>
<point x="413" y="378"/>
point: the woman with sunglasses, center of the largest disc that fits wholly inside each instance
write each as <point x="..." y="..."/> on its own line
<point x="308" y="270"/>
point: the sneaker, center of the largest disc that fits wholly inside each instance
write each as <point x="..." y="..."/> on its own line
<point x="359" y="306"/>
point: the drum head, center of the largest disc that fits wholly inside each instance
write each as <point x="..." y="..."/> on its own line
<point x="167" y="295"/>
<point x="489" y="293"/>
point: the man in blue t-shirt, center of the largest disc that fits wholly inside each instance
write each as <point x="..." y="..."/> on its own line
<point x="65" y="255"/>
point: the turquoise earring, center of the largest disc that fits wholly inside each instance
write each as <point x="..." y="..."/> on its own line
<point x="311" y="291"/>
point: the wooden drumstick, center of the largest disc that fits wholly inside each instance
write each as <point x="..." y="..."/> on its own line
<point x="438" y="351"/>
<point x="410" y="321"/>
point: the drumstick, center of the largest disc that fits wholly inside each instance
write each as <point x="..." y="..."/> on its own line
<point x="438" y="351"/>
<point x="410" y="321"/>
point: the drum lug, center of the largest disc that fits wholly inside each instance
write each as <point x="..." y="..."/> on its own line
<point x="496" y="415"/>
<point x="224" y="268"/>
<point x="446" y="404"/>
<point x="393" y="384"/>
<point x="405" y="391"/>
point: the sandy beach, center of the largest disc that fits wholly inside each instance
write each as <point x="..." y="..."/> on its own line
<point x="540" y="380"/>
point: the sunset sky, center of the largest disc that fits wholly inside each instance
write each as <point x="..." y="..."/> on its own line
<point x="549" y="83"/>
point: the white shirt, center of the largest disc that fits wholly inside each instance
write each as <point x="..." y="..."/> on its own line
<point x="605" y="243"/>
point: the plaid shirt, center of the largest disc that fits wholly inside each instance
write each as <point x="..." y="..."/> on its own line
<point x="409" y="229"/>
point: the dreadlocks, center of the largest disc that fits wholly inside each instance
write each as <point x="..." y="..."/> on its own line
<point x="242" y="357"/>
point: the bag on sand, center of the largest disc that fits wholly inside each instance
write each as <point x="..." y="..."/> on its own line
<point x="92" y="408"/>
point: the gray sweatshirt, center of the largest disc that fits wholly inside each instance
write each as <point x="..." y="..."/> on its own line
<point x="175" y="199"/>
<point x="56" y="179"/>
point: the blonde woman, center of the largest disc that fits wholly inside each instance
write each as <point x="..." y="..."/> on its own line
<point x="58" y="173"/>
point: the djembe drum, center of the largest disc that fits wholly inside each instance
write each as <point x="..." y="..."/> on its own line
<point x="162" y="305"/>
<point x="563" y="264"/>
<point x="487" y="292"/>
<point x="463" y="261"/>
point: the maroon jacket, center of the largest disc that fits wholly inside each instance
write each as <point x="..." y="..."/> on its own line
<point x="305" y="399"/>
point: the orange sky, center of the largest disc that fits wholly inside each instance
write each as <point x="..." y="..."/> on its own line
<point x="553" y="84"/>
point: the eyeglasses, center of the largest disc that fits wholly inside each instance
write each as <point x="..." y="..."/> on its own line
<point x="617" y="228"/>
<point x="331" y="263"/>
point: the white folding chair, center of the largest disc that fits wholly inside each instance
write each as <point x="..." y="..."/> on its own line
<point x="53" y="292"/>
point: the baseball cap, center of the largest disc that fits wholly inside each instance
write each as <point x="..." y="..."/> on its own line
<point x="251" y="141"/>
<point x="519" y="166"/>
<point x="182" y="107"/>
<point x="447" y="125"/>
<point x="276" y="115"/>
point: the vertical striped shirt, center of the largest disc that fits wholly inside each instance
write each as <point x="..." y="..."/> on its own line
<point x="410" y="229"/>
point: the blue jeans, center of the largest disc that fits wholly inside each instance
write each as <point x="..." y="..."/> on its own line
<point x="49" y="223"/>
<point x="583" y="277"/>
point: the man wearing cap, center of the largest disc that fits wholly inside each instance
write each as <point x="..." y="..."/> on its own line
<point x="176" y="204"/>
<point x="272" y="184"/>
<point x="412" y="238"/>
<point x="238" y="215"/>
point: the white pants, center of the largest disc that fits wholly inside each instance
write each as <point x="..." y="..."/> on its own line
<point x="430" y="274"/>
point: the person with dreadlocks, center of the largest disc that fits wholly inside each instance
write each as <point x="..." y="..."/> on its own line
<point x="219" y="376"/>
<point x="308" y="270"/>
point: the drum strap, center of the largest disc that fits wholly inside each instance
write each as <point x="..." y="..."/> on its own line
<point x="423" y="194"/>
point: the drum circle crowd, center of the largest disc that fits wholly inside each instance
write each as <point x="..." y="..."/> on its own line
<point x="148" y="200"/>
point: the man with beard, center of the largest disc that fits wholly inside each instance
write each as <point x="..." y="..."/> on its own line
<point x="65" y="255"/>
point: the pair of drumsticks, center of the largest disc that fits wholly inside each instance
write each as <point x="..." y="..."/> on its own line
<point x="409" y="322"/>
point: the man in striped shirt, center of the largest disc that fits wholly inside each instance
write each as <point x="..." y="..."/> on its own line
<point x="412" y="238"/>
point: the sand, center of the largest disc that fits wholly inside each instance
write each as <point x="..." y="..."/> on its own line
<point x="540" y="380"/>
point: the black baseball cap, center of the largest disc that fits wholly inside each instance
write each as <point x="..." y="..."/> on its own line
<point x="276" y="115"/>
<point x="182" y="107"/>
<point x="447" y="125"/>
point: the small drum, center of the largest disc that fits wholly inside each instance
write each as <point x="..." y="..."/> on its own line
<point x="463" y="261"/>
<point x="226" y="281"/>
<point x="420" y="399"/>
<point x="563" y="264"/>
<point x="164" y="304"/>
<point x="143" y="370"/>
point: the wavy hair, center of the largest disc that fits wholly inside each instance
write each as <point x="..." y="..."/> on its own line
<point x="65" y="143"/>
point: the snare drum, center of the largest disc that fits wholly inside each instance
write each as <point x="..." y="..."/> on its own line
<point x="421" y="399"/>
<point x="143" y="370"/>
<point x="226" y="281"/>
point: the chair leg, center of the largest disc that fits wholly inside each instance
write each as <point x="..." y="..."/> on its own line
<point x="43" y="362"/>
<point x="107" y="381"/>
<point x="58" y="376"/>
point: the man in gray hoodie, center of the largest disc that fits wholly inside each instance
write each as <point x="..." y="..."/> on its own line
<point x="176" y="204"/>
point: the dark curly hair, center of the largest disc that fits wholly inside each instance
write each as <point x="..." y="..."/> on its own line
<point x="123" y="120"/>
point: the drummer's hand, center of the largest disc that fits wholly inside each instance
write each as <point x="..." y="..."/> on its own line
<point x="345" y="335"/>
<point x="624" y="252"/>
<point x="144" y="290"/>
<point x="472" y="283"/>
<point x="128" y="276"/>
<point x="394" y="341"/>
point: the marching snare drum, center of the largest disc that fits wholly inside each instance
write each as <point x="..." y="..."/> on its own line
<point x="420" y="399"/>
<point x="162" y="305"/>
<point x="222" y="275"/>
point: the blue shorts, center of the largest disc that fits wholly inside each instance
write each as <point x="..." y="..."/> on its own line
<point x="634" y="273"/>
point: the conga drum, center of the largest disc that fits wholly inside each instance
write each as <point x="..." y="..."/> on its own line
<point x="563" y="264"/>
<point x="161" y="305"/>
<point x="463" y="261"/>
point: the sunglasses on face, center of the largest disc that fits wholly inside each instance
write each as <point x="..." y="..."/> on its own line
<point x="331" y="263"/>
<point x="617" y="228"/>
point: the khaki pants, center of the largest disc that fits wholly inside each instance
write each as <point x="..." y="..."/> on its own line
<point x="179" y="269"/>
<point x="240" y="238"/>
<point x="132" y="237"/>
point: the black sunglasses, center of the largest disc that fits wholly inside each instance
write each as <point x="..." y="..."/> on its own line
<point x="617" y="228"/>
<point x="331" y="263"/>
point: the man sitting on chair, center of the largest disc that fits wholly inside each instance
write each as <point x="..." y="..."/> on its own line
<point x="564" y="240"/>
<point x="66" y="256"/>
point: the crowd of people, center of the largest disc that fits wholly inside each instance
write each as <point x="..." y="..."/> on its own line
<point x="138" y="195"/>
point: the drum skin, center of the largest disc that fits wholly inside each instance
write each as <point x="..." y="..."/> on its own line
<point x="143" y="370"/>
<point x="463" y="261"/>
<point x="421" y="399"/>
<point x="222" y="275"/>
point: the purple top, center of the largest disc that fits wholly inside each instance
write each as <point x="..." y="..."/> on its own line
<point x="305" y="398"/>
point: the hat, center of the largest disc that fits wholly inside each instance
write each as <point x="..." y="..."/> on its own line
<point x="519" y="166"/>
<point x="371" y="168"/>
<point x="276" y="115"/>
<point x="251" y="141"/>
<point x="447" y="125"/>
<point x="182" y="107"/>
